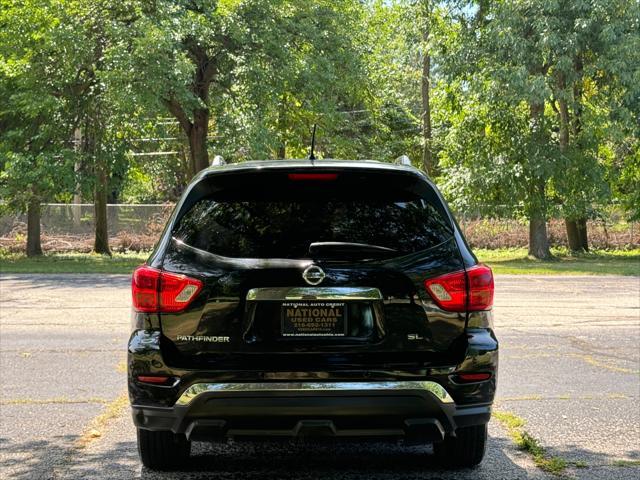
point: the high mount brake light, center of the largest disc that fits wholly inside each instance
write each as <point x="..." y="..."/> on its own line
<point x="463" y="291"/>
<point x="155" y="291"/>
<point x="313" y="176"/>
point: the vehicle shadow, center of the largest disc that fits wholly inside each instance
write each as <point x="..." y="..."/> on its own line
<point x="326" y="461"/>
<point x="33" y="459"/>
<point x="45" y="459"/>
<point x="342" y="461"/>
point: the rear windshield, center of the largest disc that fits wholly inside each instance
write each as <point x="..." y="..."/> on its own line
<point x="273" y="226"/>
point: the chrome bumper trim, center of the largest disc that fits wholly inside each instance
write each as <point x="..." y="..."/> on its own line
<point x="201" y="388"/>
<point x="314" y="293"/>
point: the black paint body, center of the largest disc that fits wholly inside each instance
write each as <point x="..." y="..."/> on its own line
<point x="409" y="339"/>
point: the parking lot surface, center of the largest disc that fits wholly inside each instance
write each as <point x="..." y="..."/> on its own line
<point x="569" y="367"/>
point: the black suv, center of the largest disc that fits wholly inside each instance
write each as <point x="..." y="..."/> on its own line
<point x="301" y="299"/>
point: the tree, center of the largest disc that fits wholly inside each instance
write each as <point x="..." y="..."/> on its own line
<point x="70" y="75"/>
<point x="188" y="49"/>
<point x="526" y="108"/>
<point x="591" y="51"/>
<point x="98" y="88"/>
<point x="219" y="67"/>
<point x="497" y="149"/>
<point x="34" y="148"/>
<point x="316" y="76"/>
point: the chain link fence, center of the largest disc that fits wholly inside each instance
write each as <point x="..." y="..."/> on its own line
<point x="69" y="227"/>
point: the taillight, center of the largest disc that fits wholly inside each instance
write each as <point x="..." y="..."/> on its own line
<point x="480" y="287"/>
<point x="449" y="291"/>
<point x="156" y="291"/>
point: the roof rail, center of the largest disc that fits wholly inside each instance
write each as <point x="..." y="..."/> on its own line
<point x="218" y="161"/>
<point x="402" y="160"/>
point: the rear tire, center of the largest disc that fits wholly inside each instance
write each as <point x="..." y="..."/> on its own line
<point x="464" y="450"/>
<point x="162" y="450"/>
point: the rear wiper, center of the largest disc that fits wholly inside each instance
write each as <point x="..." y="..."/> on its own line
<point x="345" y="249"/>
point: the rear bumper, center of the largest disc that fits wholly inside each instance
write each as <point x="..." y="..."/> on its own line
<point x="414" y="402"/>
<point x="416" y="411"/>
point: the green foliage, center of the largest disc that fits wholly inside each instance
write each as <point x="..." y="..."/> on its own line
<point x="34" y="153"/>
<point x="541" y="54"/>
<point x="534" y="102"/>
<point x="59" y="64"/>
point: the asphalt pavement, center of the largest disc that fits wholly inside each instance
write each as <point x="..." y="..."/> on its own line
<point x="569" y="366"/>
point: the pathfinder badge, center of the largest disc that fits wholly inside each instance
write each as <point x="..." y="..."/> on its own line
<point x="202" y="338"/>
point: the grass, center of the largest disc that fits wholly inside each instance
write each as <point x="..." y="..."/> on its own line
<point x="97" y="426"/>
<point x="72" y="263"/>
<point x="529" y="444"/>
<point x="514" y="261"/>
<point x="601" y="262"/>
<point x="626" y="463"/>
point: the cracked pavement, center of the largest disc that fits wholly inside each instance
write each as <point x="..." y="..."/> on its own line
<point x="569" y="366"/>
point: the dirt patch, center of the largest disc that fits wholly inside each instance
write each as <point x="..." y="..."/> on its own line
<point x="499" y="233"/>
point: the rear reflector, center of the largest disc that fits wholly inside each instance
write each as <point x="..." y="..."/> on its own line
<point x="155" y="291"/>
<point x="155" y="379"/>
<point x="313" y="176"/>
<point x="472" y="377"/>
<point x="469" y="290"/>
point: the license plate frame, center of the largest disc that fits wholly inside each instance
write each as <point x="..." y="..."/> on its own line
<point x="313" y="319"/>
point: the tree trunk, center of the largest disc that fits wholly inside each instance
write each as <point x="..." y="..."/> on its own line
<point x="186" y="169"/>
<point x="574" y="232"/>
<point x="101" y="242"/>
<point x="34" y="247"/>
<point x="196" y="133"/>
<point x="427" y="154"/>
<point x="538" y="240"/>
<point x="583" y="233"/>
<point x="198" y="140"/>
<point x="573" y="236"/>
<point x="577" y="235"/>
<point x="196" y="130"/>
<point x="576" y="228"/>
